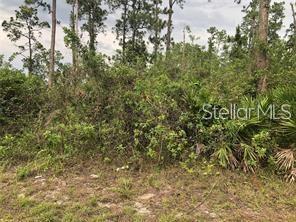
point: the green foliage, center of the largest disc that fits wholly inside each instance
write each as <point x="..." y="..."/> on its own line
<point x="133" y="111"/>
<point x="155" y="114"/>
<point x="71" y="39"/>
<point x="69" y="139"/>
<point x="21" y="98"/>
<point x="124" y="188"/>
<point x="276" y="20"/>
<point x="94" y="14"/>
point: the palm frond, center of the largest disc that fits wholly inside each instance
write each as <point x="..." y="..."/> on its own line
<point x="249" y="158"/>
<point x="288" y="127"/>
<point x="285" y="159"/>
<point x="291" y="176"/>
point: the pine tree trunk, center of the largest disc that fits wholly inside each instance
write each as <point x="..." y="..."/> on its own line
<point x="53" y="42"/>
<point x="74" y="61"/>
<point x="262" y="41"/>
<point x="77" y="18"/>
<point x="124" y="31"/>
<point x="156" y="30"/>
<point x="30" y="63"/>
<point x="294" y="17"/>
<point x="92" y="35"/>
<point x="134" y="29"/>
<point x="169" y="26"/>
<point x="75" y="29"/>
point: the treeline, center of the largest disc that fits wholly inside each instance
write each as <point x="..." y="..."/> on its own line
<point x="140" y="23"/>
<point x="147" y="106"/>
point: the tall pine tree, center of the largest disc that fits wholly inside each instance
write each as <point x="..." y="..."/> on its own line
<point x="94" y="16"/>
<point x="26" y="27"/>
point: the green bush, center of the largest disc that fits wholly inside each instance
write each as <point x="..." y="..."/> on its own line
<point x="153" y="113"/>
<point x="21" y="98"/>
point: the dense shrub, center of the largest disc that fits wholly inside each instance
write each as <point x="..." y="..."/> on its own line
<point x="21" y="98"/>
<point x="153" y="113"/>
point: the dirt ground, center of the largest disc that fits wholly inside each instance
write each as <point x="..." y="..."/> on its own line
<point x="106" y="193"/>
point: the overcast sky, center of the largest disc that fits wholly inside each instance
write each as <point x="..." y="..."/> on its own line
<point x="198" y="14"/>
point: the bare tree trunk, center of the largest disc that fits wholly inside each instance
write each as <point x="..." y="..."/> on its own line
<point x="91" y="32"/>
<point x="156" y="31"/>
<point x="30" y="63"/>
<point x="294" y="26"/>
<point x="252" y="34"/>
<point x="124" y="31"/>
<point x="251" y="46"/>
<point x="262" y="41"/>
<point x="294" y="17"/>
<point x="75" y="29"/>
<point x="134" y="29"/>
<point x="53" y="42"/>
<point x="169" y="26"/>
<point x="77" y="17"/>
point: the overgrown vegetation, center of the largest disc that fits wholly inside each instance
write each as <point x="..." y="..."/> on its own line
<point x="137" y="110"/>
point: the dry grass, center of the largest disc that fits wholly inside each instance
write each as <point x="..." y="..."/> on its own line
<point x="152" y="195"/>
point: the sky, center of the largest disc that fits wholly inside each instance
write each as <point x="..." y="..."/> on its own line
<point x="199" y="15"/>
